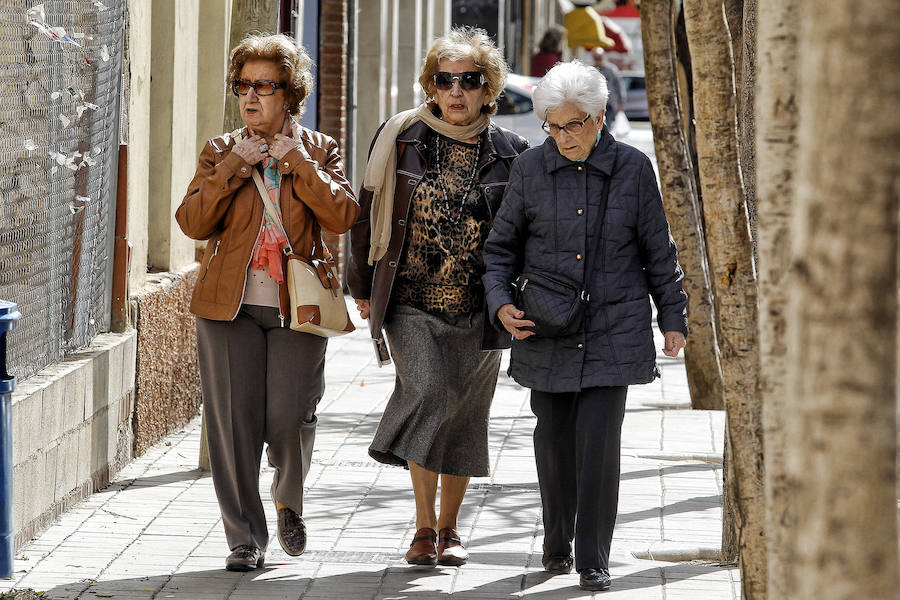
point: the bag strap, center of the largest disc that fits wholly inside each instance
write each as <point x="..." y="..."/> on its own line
<point x="271" y="210"/>
<point x="598" y="237"/>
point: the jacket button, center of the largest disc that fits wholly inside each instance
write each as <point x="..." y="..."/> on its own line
<point x="243" y="169"/>
<point x="401" y="222"/>
<point x="580" y="211"/>
<point x="577" y="257"/>
<point x="580" y="167"/>
<point x="581" y="346"/>
<point x="392" y="263"/>
<point x="286" y="164"/>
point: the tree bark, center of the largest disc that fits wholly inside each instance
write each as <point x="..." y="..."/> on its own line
<point x="746" y="86"/>
<point x="734" y="18"/>
<point x="842" y="320"/>
<point x="686" y="96"/>
<point x="733" y="278"/>
<point x="679" y="192"/>
<point x="776" y="142"/>
<point x="247" y="16"/>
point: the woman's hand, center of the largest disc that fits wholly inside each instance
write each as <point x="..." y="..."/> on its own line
<point x="283" y="144"/>
<point x="363" y="307"/>
<point x="512" y="319"/>
<point x="249" y="149"/>
<point x="674" y="343"/>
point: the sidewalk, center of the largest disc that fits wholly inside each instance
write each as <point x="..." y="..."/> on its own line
<point x="155" y="533"/>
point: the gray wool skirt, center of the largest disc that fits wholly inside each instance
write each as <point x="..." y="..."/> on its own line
<point x="437" y="416"/>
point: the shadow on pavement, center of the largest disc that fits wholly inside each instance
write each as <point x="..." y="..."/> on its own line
<point x="681" y="506"/>
<point x="162" y="479"/>
<point x="291" y="580"/>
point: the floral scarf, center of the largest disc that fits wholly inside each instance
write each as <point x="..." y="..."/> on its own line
<point x="267" y="251"/>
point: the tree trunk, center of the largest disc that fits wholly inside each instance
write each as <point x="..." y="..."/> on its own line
<point x="842" y="319"/>
<point x="247" y="16"/>
<point x="776" y="142"/>
<point x="746" y="87"/>
<point x="679" y="192"/>
<point x="686" y="97"/>
<point x="734" y="18"/>
<point x="733" y="278"/>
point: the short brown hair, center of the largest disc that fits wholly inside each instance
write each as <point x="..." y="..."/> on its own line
<point x="466" y="43"/>
<point x="292" y="58"/>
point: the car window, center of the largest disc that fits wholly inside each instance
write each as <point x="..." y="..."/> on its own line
<point x="635" y="83"/>
<point x="513" y="103"/>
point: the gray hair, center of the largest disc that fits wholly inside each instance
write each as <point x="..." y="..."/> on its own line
<point x="571" y="82"/>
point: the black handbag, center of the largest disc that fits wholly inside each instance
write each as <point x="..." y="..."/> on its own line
<point x="557" y="306"/>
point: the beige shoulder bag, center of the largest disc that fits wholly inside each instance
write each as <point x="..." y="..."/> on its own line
<point x="317" y="302"/>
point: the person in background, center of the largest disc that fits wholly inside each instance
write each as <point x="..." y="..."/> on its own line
<point x="583" y="202"/>
<point x="616" y="100"/>
<point x="549" y="50"/>
<point x="261" y="381"/>
<point x="415" y="271"/>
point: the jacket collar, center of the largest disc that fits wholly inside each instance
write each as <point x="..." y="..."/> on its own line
<point x="493" y="146"/>
<point x="602" y="157"/>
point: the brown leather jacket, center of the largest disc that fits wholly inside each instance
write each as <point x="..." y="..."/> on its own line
<point x="222" y="206"/>
<point x="374" y="282"/>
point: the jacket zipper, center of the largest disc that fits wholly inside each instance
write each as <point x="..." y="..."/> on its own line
<point x="215" y="251"/>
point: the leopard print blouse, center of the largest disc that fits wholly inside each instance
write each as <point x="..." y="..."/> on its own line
<point x="441" y="267"/>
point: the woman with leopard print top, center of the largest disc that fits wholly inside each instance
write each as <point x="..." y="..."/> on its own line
<point x="433" y="183"/>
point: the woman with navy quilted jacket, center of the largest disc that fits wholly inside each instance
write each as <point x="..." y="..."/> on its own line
<point x="583" y="209"/>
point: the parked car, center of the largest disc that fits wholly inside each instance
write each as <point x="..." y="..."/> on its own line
<point x="634" y="85"/>
<point x="515" y="110"/>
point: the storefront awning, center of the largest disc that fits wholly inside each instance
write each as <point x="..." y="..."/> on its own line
<point x="584" y="27"/>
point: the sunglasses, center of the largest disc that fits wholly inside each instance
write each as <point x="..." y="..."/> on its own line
<point x="468" y="80"/>
<point x="263" y="87"/>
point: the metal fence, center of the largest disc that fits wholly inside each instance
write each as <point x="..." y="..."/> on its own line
<point x="60" y="81"/>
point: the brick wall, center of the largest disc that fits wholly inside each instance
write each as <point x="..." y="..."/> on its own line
<point x="333" y="50"/>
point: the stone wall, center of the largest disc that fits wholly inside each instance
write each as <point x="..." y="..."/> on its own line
<point x="168" y="380"/>
<point x="71" y="430"/>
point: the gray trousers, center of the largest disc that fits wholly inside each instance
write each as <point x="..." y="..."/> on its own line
<point x="261" y="383"/>
<point x="577" y="443"/>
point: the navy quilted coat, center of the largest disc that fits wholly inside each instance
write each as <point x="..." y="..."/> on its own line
<point x="547" y="221"/>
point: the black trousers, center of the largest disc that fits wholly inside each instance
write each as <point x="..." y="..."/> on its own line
<point x="576" y="447"/>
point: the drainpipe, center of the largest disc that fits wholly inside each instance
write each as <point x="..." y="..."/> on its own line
<point x="9" y="319"/>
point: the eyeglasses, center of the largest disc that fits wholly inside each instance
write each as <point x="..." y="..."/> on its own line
<point x="263" y="87"/>
<point x="468" y="80"/>
<point x="572" y="127"/>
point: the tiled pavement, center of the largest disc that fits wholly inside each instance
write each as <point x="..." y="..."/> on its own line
<point x="156" y="532"/>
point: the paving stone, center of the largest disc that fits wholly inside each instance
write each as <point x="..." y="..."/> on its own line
<point x="156" y="531"/>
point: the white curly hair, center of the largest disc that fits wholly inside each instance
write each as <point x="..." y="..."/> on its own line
<point x="571" y="82"/>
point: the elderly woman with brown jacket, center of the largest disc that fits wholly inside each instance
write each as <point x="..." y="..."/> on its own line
<point x="261" y="381"/>
<point x="433" y="184"/>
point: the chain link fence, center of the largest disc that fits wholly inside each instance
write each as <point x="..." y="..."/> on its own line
<point x="60" y="82"/>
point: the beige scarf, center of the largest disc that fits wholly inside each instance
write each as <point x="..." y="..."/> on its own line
<point x="381" y="170"/>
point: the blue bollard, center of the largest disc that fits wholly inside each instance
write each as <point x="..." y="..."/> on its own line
<point x="9" y="319"/>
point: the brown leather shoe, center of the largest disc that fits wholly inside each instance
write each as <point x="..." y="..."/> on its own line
<point x="422" y="551"/>
<point x="450" y="551"/>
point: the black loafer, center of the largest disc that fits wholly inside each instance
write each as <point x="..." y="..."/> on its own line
<point x="245" y="558"/>
<point x="594" y="580"/>
<point x="558" y="564"/>
<point x="291" y="531"/>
